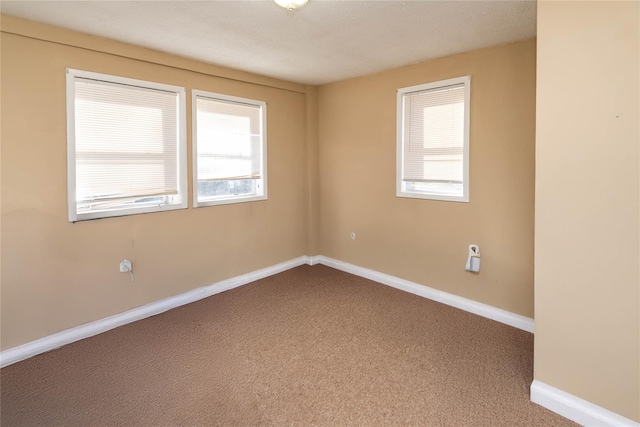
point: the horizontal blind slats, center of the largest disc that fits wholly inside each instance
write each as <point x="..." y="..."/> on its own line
<point x="434" y="135"/>
<point x="126" y="141"/>
<point x="229" y="138"/>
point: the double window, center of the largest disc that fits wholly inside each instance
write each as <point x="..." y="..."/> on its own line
<point x="126" y="148"/>
<point x="433" y="141"/>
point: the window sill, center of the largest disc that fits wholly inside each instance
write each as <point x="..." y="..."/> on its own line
<point x="443" y="198"/>
<point x="228" y="200"/>
<point x="87" y="216"/>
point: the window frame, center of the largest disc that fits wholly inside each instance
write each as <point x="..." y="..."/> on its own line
<point x="172" y="202"/>
<point x="400" y="131"/>
<point x="226" y="200"/>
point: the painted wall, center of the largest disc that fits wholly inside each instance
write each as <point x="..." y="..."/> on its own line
<point x="587" y="259"/>
<point x="427" y="241"/>
<point x="313" y="171"/>
<point x="57" y="275"/>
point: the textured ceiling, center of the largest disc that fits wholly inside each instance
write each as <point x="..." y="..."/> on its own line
<point x="322" y="42"/>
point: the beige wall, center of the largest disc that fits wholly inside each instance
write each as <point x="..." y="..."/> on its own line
<point x="57" y="275"/>
<point x="313" y="172"/>
<point x="427" y="241"/>
<point x="587" y="256"/>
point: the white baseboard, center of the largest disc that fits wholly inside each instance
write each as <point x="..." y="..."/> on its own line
<point x="576" y="409"/>
<point x="68" y="336"/>
<point x="314" y="260"/>
<point x="87" y="330"/>
<point x="484" y="310"/>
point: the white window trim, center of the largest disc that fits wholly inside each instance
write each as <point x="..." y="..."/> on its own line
<point x="400" y="139"/>
<point x="195" y="93"/>
<point x="183" y="202"/>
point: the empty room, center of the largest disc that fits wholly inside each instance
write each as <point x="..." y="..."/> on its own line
<point x="320" y="213"/>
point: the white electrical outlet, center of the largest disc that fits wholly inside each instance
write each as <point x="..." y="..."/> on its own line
<point x="125" y="266"/>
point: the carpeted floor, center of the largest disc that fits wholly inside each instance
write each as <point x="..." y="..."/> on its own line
<point x="311" y="346"/>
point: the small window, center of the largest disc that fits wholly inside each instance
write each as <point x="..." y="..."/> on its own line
<point x="125" y="146"/>
<point x="433" y="141"/>
<point x="229" y="155"/>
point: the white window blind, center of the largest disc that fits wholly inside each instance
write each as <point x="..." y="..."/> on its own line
<point x="433" y="140"/>
<point x="126" y="144"/>
<point x="229" y="157"/>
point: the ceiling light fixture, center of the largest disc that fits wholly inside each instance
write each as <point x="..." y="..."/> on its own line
<point x="291" y="4"/>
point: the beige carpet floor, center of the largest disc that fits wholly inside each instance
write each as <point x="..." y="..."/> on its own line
<point x="311" y="346"/>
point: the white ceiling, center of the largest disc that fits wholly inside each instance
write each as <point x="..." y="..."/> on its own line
<point x="322" y="42"/>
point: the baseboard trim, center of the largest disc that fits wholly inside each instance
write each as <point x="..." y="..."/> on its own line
<point x="484" y="310"/>
<point x="90" y="329"/>
<point x="575" y="408"/>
